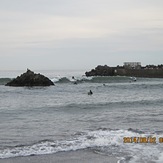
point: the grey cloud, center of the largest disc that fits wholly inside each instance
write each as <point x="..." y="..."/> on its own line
<point x="75" y="34"/>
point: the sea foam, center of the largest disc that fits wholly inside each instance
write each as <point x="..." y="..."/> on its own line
<point x="102" y="140"/>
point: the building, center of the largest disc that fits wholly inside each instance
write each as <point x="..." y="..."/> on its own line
<point x="132" y="65"/>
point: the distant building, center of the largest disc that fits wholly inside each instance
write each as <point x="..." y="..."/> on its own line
<point x="132" y="65"/>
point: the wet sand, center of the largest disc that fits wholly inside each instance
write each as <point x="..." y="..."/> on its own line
<point x="81" y="156"/>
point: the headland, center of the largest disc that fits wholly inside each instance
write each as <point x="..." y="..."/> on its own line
<point x="128" y="69"/>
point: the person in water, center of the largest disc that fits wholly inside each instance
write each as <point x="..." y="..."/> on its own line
<point x="90" y="92"/>
<point x="75" y="82"/>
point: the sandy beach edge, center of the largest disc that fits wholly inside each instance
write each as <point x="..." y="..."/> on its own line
<point x="80" y="156"/>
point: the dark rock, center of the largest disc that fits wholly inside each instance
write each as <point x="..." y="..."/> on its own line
<point x="30" y="79"/>
<point x="149" y="71"/>
<point x="101" y="71"/>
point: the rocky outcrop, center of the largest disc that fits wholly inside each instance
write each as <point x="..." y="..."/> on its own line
<point x="101" y="71"/>
<point x="30" y="79"/>
<point x="146" y="72"/>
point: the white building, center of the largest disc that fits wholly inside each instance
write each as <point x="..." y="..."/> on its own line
<point x="132" y="65"/>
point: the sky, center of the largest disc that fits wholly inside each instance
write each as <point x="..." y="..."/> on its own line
<point x="79" y="34"/>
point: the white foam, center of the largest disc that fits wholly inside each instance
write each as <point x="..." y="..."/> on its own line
<point x="111" y="139"/>
<point x="56" y="79"/>
<point x="69" y="78"/>
<point x="91" y="139"/>
<point x="160" y="159"/>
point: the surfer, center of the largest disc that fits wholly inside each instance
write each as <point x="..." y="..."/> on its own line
<point x="90" y="92"/>
<point x="74" y="80"/>
<point x="133" y="79"/>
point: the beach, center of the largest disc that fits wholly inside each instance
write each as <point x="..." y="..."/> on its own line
<point x="81" y="156"/>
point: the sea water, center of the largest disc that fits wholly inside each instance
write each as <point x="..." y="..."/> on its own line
<point x="46" y="120"/>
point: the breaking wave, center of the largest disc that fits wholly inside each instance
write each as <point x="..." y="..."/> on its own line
<point x="103" y="140"/>
<point x="84" y="79"/>
<point x="96" y="79"/>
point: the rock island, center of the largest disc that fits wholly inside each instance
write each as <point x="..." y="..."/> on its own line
<point x="30" y="79"/>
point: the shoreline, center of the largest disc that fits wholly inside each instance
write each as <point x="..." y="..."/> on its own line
<point x="79" y="156"/>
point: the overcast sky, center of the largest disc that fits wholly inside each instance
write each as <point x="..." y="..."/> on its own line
<point x="79" y="34"/>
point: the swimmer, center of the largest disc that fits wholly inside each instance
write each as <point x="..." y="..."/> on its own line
<point x="90" y="92"/>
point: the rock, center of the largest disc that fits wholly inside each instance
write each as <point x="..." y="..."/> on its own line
<point x="101" y="71"/>
<point x="30" y="79"/>
<point x="149" y="71"/>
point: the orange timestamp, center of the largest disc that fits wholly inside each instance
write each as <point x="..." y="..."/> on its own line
<point x="142" y="140"/>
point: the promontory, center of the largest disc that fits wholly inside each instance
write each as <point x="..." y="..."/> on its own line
<point x="133" y="69"/>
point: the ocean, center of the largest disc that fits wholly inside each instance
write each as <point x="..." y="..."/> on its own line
<point x="122" y="118"/>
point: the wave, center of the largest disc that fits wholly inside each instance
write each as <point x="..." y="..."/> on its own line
<point x="103" y="140"/>
<point x="96" y="79"/>
<point x="116" y="104"/>
<point x="4" y="81"/>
